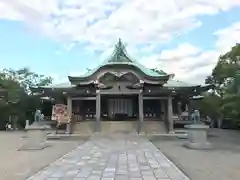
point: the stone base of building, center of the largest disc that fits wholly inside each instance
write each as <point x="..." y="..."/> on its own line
<point x="83" y="137"/>
<point x="112" y="127"/>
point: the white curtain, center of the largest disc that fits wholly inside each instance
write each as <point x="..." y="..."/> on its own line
<point x="120" y="106"/>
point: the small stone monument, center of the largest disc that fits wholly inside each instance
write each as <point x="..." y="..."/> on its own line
<point x="36" y="133"/>
<point x="197" y="134"/>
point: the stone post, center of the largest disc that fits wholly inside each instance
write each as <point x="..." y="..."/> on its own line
<point x="98" y="112"/>
<point x="170" y="115"/>
<point x="69" y="114"/>
<point x="140" y="106"/>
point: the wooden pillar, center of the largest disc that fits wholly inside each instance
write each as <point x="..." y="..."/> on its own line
<point x="170" y="115"/>
<point x="188" y="109"/>
<point x="98" y="111"/>
<point x="140" y="108"/>
<point x="69" y="114"/>
<point x="179" y="108"/>
<point x="162" y="110"/>
<point x="69" y="107"/>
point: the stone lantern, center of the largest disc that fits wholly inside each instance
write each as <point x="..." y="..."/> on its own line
<point x="197" y="132"/>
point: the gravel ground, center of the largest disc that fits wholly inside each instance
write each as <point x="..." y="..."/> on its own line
<point x="220" y="163"/>
<point x="18" y="165"/>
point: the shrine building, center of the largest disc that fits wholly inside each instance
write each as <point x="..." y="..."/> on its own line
<point x="122" y="95"/>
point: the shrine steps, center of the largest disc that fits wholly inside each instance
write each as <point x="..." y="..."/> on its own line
<point x="153" y="127"/>
<point x="150" y="130"/>
<point x="112" y="127"/>
<point x="85" y="129"/>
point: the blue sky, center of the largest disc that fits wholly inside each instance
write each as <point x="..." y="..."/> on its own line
<point x="174" y="40"/>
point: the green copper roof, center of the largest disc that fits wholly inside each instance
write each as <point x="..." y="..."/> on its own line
<point x="175" y="83"/>
<point x="120" y="56"/>
<point x="60" y="85"/>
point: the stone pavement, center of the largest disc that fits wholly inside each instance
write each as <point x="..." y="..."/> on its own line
<point x="119" y="157"/>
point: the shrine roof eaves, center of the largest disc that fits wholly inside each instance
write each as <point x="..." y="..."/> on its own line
<point x="170" y="84"/>
<point x="60" y="86"/>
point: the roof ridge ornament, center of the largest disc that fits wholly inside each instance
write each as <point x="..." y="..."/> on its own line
<point x="120" y="47"/>
<point x="119" y="43"/>
<point x="119" y="53"/>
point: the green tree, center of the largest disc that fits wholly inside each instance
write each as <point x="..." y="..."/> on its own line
<point x="224" y="72"/>
<point x="19" y="101"/>
<point x="224" y="77"/>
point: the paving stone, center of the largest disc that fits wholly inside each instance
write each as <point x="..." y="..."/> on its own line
<point x="83" y="174"/>
<point x="94" y="178"/>
<point x="149" y="178"/>
<point x="121" y="177"/>
<point x="120" y="157"/>
<point x="57" y="174"/>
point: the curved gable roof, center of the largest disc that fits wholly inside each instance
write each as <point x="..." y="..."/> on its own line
<point x="120" y="56"/>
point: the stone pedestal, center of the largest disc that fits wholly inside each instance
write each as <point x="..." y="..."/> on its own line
<point x="27" y="124"/>
<point x="197" y="137"/>
<point x="68" y="128"/>
<point x="36" y="137"/>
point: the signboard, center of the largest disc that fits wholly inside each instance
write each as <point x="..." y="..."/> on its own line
<point x="59" y="113"/>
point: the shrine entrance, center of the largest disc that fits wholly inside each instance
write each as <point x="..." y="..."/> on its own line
<point x="119" y="108"/>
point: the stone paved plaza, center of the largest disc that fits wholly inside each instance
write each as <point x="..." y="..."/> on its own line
<point x="119" y="157"/>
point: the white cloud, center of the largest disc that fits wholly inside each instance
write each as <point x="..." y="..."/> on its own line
<point x="99" y="23"/>
<point x="183" y="50"/>
<point x="227" y="37"/>
<point x="189" y="67"/>
<point x="190" y="63"/>
<point x="7" y="12"/>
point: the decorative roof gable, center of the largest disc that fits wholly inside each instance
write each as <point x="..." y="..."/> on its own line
<point x="120" y="58"/>
<point x="120" y="54"/>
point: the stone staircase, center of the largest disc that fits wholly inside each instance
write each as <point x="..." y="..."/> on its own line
<point x="118" y="127"/>
<point x="124" y="127"/>
<point x="153" y="127"/>
<point x="84" y="127"/>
